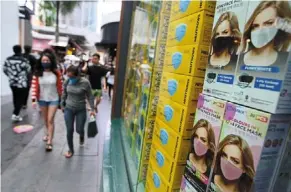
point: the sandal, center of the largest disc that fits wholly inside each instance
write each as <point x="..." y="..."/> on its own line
<point x="49" y="147"/>
<point x="45" y="138"/>
<point x="69" y="154"/>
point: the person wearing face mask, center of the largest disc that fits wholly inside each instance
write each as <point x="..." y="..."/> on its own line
<point x="225" y="42"/>
<point x="266" y="43"/>
<point x="77" y="90"/>
<point x="234" y="167"/>
<point x="202" y="152"/>
<point x="46" y="89"/>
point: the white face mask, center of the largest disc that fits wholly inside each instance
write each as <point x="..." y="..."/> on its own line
<point x="262" y="37"/>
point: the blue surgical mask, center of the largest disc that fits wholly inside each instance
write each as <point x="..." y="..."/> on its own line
<point x="172" y="86"/>
<point x="168" y="112"/>
<point x="180" y="31"/>
<point x="164" y="136"/>
<point x="176" y="60"/>
<point x="184" y="5"/>
<point x="73" y="80"/>
<point x="46" y="65"/>
<point x="160" y="159"/>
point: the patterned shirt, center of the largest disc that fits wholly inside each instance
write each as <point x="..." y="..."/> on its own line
<point x="17" y="69"/>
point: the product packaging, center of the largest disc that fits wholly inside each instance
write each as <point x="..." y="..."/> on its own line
<point x="194" y="29"/>
<point x="249" y="141"/>
<point x="176" y="116"/>
<point x="184" y="8"/>
<point x="175" y="146"/>
<point x="156" y="182"/>
<point x="282" y="178"/>
<point x="155" y="81"/>
<point x="203" y="143"/>
<point x="170" y="170"/>
<point x="149" y="129"/>
<point x="187" y="60"/>
<point x="228" y="27"/>
<point x="181" y="89"/>
<point x="153" y="105"/>
<point x="263" y="74"/>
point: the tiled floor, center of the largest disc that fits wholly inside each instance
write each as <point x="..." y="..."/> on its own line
<point x="34" y="170"/>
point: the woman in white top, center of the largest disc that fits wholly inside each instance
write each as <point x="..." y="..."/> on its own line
<point x="46" y="90"/>
<point x="110" y="81"/>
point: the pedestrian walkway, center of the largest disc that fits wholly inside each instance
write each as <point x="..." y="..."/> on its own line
<point x="35" y="170"/>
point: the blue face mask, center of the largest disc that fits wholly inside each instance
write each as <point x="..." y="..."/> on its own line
<point x="180" y="31"/>
<point x="176" y="60"/>
<point x="73" y="80"/>
<point x="172" y="86"/>
<point x="168" y="112"/>
<point x="160" y="159"/>
<point x="164" y="136"/>
<point x="46" y="65"/>
<point x="157" y="181"/>
<point x="184" y="5"/>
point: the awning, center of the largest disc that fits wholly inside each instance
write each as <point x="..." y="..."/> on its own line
<point x="61" y="43"/>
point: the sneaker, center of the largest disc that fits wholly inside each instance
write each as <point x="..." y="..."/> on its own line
<point x="82" y="140"/>
<point x="16" y="118"/>
<point x="24" y="107"/>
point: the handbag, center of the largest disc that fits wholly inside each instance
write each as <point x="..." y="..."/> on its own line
<point x="92" y="127"/>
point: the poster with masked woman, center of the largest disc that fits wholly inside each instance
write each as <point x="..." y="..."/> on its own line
<point x="266" y="45"/>
<point x="206" y="130"/>
<point x="228" y="27"/>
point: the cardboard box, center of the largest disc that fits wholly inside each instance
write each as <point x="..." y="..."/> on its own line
<point x="156" y="182"/>
<point x="204" y="141"/>
<point x="194" y="29"/>
<point x="155" y="81"/>
<point x="187" y="60"/>
<point x="251" y="135"/>
<point x="176" y="116"/>
<point x="171" y="170"/>
<point x="181" y="89"/>
<point x="182" y="8"/>
<point x="175" y="146"/>
<point x="258" y="71"/>
<point x="153" y="105"/>
<point x="149" y="129"/>
<point x="268" y="73"/>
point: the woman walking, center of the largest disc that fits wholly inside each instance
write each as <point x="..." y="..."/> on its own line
<point x="76" y="90"/>
<point x="46" y="89"/>
<point x="110" y="81"/>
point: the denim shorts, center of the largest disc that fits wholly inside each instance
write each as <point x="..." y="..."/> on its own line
<point x="48" y="103"/>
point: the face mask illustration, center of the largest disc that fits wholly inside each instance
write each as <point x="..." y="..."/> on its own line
<point x="164" y="136"/>
<point x="176" y="60"/>
<point x="222" y="43"/>
<point x="262" y="37"/>
<point x="180" y="31"/>
<point x="160" y="158"/>
<point x="184" y="5"/>
<point x="156" y="179"/>
<point x="230" y="171"/>
<point x="200" y="148"/>
<point x="168" y="112"/>
<point x="172" y="86"/>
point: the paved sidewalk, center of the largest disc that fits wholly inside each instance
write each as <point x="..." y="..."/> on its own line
<point x="34" y="170"/>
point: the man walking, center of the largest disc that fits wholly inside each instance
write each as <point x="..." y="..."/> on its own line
<point x="17" y="69"/>
<point x="32" y="62"/>
<point x="95" y="73"/>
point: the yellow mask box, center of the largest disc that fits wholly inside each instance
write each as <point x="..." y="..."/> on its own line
<point x="176" y="116"/>
<point x="184" y="8"/>
<point x="194" y="29"/>
<point x="155" y="81"/>
<point x="155" y="182"/>
<point x="153" y="105"/>
<point x="149" y="129"/>
<point x="169" y="169"/>
<point x="187" y="60"/>
<point x="182" y="89"/>
<point x="176" y="146"/>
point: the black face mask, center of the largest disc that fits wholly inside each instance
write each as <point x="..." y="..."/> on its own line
<point x="222" y="43"/>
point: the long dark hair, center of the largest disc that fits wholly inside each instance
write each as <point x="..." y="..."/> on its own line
<point x="52" y="57"/>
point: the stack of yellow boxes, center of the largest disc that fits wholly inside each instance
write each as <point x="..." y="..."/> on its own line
<point x="150" y="96"/>
<point x="185" y="60"/>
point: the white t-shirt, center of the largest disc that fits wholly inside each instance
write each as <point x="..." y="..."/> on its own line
<point x="48" y="87"/>
<point x="110" y="78"/>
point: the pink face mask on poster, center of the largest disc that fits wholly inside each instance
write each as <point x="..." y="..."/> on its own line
<point x="200" y="148"/>
<point x="230" y="171"/>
